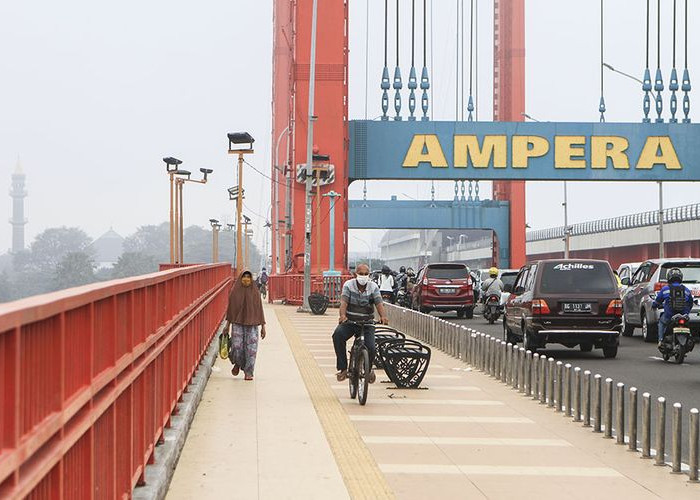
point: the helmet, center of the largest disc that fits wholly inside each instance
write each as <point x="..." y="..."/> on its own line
<point x="493" y="271"/>
<point x="402" y="269"/>
<point x="674" y="275"/>
<point x="264" y="269"/>
<point x="410" y="271"/>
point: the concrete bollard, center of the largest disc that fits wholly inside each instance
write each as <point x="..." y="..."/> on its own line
<point x="660" y="432"/>
<point x="495" y="345"/>
<point x="516" y="366"/>
<point x="502" y="360"/>
<point x="587" y="398"/>
<point x="550" y="382"/>
<point x="508" y="363"/>
<point x="693" y="445"/>
<point x="559" y="386"/>
<point x="676" y="438"/>
<point x="521" y="369"/>
<point x="577" y="394"/>
<point x="597" y="403"/>
<point x="608" y="418"/>
<point x="567" y="390"/>
<point x="646" y="425"/>
<point x="620" y="413"/>
<point x="535" y="376"/>
<point x="543" y="379"/>
<point x="527" y="389"/>
<point x="632" y="420"/>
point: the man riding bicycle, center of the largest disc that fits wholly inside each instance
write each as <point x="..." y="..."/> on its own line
<point x="357" y="302"/>
<point x="673" y="298"/>
<point x="262" y="280"/>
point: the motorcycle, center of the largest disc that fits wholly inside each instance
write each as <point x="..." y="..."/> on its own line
<point x="492" y="308"/>
<point x="388" y="296"/>
<point x="403" y="298"/>
<point x="677" y="340"/>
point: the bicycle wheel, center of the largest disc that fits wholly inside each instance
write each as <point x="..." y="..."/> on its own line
<point x="352" y="376"/>
<point x="362" y="371"/>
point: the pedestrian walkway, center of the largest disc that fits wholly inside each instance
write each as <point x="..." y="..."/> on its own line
<point x="295" y="433"/>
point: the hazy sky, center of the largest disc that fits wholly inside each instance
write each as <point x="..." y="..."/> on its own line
<point x="94" y="94"/>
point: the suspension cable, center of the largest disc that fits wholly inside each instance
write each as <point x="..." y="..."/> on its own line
<point x="386" y="84"/>
<point x="658" y="79"/>
<point x="424" y="79"/>
<point x="685" y="87"/>
<point x="673" y="82"/>
<point x="457" y="63"/>
<point x="470" y="104"/>
<point x="398" y="85"/>
<point x="646" y="84"/>
<point x="412" y="82"/>
<point x="366" y="56"/>
<point x="601" y="105"/>
<point x="476" y="63"/>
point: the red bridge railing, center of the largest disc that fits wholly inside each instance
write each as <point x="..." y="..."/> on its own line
<point x="290" y="287"/>
<point x="90" y="376"/>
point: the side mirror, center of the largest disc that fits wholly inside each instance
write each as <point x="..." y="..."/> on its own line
<point x="518" y="290"/>
<point x="508" y="288"/>
<point x="625" y="281"/>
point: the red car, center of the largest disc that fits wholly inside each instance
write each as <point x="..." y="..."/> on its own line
<point x="444" y="287"/>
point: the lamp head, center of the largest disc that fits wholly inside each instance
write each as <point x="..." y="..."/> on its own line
<point x="205" y="172"/>
<point x="240" y="141"/>
<point x="171" y="163"/>
<point x="185" y="173"/>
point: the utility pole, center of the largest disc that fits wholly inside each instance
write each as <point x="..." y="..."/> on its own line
<point x="309" y="162"/>
<point x="567" y="233"/>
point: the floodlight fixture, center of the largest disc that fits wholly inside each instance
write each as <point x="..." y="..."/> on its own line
<point x="246" y="219"/>
<point x="320" y="157"/>
<point x="171" y="163"/>
<point x="186" y="173"/>
<point x="213" y="221"/>
<point x="205" y="172"/>
<point x="240" y="142"/>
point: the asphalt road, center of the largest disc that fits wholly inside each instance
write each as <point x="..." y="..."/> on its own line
<point x="637" y="364"/>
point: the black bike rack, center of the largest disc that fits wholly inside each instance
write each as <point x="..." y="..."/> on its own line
<point x="405" y="361"/>
<point x="318" y="303"/>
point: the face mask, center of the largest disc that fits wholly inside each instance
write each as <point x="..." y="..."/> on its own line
<point x="246" y="281"/>
<point x="362" y="279"/>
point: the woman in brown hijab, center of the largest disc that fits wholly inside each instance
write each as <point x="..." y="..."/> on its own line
<point x="245" y="313"/>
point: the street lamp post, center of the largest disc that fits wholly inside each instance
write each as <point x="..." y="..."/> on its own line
<point x="276" y="202"/>
<point x="171" y="165"/>
<point x="215" y="228"/>
<point x="331" y="257"/>
<point x="661" y="193"/>
<point x="309" y="162"/>
<point x="179" y="183"/>
<point x="241" y="144"/>
<point x="567" y="233"/>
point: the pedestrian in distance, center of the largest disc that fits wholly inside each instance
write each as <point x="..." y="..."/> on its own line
<point x="244" y="315"/>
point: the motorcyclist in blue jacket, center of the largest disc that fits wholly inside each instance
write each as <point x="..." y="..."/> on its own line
<point x="672" y="300"/>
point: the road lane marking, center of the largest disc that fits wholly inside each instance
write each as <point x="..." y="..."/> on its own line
<point x="464" y="441"/>
<point x="442" y="402"/>
<point x="440" y="419"/>
<point x="500" y="470"/>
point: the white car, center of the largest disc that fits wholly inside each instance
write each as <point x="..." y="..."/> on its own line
<point x="625" y="272"/>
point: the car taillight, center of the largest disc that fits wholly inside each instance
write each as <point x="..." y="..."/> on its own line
<point x="614" y="308"/>
<point x="539" y="306"/>
<point x="658" y="286"/>
<point x="681" y="321"/>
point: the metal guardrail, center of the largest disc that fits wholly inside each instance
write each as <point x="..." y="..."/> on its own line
<point x="90" y="376"/>
<point x="671" y="215"/>
<point x="596" y="402"/>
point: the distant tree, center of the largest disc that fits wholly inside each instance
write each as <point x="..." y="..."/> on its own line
<point x="6" y="294"/>
<point x="53" y="244"/>
<point x="74" y="269"/>
<point x="134" y="264"/>
<point x="153" y="240"/>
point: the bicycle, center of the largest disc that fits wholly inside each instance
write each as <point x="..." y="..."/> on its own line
<point x="359" y="368"/>
<point x="263" y="290"/>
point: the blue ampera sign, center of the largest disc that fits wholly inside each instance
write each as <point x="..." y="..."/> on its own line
<point x="524" y="151"/>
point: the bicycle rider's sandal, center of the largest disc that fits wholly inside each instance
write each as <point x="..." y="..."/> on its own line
<point x="341" y="375"/>
<point x="372" y="377"/>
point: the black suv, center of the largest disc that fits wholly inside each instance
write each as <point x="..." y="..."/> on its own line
<point x="568" y="302"/>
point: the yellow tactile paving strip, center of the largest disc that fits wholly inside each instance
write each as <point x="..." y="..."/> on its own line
<point x="358" y="467"/>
